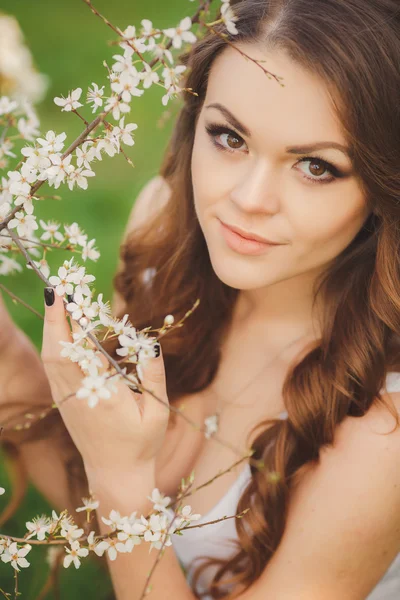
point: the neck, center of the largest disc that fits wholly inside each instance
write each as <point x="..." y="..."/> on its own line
<point x="284" y="309"/>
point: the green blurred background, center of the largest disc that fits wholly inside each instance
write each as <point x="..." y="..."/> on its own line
<point x="69" y="44"/>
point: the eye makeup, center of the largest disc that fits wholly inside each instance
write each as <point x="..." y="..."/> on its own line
<point x="215" y="130"/>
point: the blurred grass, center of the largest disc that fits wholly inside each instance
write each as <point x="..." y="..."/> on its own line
<point x="69" y="44"/>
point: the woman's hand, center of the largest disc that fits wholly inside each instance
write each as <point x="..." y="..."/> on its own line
<point x="120" y="435"/>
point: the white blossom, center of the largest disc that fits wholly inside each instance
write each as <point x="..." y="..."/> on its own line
<point x="148" y="76"/>
<point x="85" y="155"/>
<point x="228" y="17"/>
<point x="2" y="491"/>
<point x="110" y="545"/>
<point x="4" y="543"/>
<point x="74" y="553"/>
<point x="211" y="424"/>
<point x="52" y="143"/>
<point x="109" y="143"/>
<point x="16" y="556"/>
<point x="158" y="530"/>
<point x="134" y="43"/>
<point x="95" y="96"/>
<point x="20" y="181"/>
<point x="116" y="107"/>
<point x="79" y="176"/>
<point x="88" y="252"/>
<point x="93" y="389"/>
<point x="81" y="306"/>
<point x="71" y="101"/>
<point x="123" y="326"/>
<point x="88" y="504"/>
<point x="70" y="532"/>
<point x="127" y="86"/>
<point x="123" y="65"/>
<point x="103" y="311"/>
<point x="7" y="106"/>
<point x="5" y="194"/>
<point x="159" y="500"/>
<point x="185" y="516"/>
<point x="37" y="158"/>
<point x="91" y="541"/>
<point x="171" y="76"/>
<point x="181" y="34"/>
<point x="51" y="231"/>
<point x="25" y="224"/>
<point x="8" y="265"/>
<point x="43" y="267"/>
<point x="5" y="149"/>
<point x="74" y="234"/>
<point x="39" y="526"/>
<point x="115" y="520"/>
<point x="123" y="132"/>
<point x="84" y="281"/>
<point x="159" y="52"/>
<point x="63" y="282"/>
<point x="60" y="169"/>
<point x="129" y="535"/>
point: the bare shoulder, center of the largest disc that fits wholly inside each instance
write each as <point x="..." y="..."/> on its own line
<point x="152" y="197"/>
<point x="343" y="525"/>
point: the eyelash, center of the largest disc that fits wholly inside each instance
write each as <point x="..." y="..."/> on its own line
<point x="214" y="130"/>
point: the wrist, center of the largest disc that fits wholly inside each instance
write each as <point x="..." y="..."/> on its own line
<point x="123" y="491"/>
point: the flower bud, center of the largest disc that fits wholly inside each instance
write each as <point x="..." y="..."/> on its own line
<point x="169" y="320"/>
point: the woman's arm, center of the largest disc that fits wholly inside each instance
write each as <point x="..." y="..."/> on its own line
<point x="129" y="571"/>
<point x="342" y="531"/>
<point x="24" y="388"/>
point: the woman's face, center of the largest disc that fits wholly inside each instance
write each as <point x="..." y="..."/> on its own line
<point x="250" y="170"/>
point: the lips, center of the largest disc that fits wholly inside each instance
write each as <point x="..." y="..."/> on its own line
<point x="246" y="236"/>
<point x="242" y="245"/>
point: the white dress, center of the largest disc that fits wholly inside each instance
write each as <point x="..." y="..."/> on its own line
<point x="215" y="540"/>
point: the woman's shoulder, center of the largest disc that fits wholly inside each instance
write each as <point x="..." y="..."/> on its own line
<point x="153" y="196"/>
<point x="347" y="505"/>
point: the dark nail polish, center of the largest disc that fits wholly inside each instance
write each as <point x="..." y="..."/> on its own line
<point x="157" y="349"/>
<point x="49" y="296"/>
<point x="70" y="298"/>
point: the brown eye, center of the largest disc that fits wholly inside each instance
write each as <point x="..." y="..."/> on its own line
<point x="317" y="168"/>
<point x="233" y="141"/>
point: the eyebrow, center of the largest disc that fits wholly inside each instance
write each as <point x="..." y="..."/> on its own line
<point x="306" y="149"/>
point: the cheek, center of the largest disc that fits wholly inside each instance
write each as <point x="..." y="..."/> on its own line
<point x="327" y="230"/>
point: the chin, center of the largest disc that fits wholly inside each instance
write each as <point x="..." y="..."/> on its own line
<point x="239" y="277"/>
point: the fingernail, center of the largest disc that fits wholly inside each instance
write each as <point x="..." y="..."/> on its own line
<point x="157" y="349"/>
<point x="49" y="296"/>
<point x="70" y="298"/>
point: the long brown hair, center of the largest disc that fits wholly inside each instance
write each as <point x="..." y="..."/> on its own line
<point x="354" y="46"/>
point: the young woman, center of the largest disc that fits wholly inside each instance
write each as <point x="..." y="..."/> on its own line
<point x="295" y="341"/>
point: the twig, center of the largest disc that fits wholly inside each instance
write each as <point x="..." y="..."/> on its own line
<point x="16" y="584"/>
<point x="235" y="47"/>
<point x="27" y="257"/>
<point x="116" y="366"/>
<point x="20" y="301"/>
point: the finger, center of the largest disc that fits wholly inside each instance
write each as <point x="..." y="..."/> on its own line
<point x="55" y="328"/>
<point x="154" y="380"/>
<point x="77" y="328"/>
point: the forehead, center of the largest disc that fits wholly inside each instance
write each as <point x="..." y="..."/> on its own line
<point x="302" y="111"/>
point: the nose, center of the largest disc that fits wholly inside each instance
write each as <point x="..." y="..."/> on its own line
<point x="256" y="190"/>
